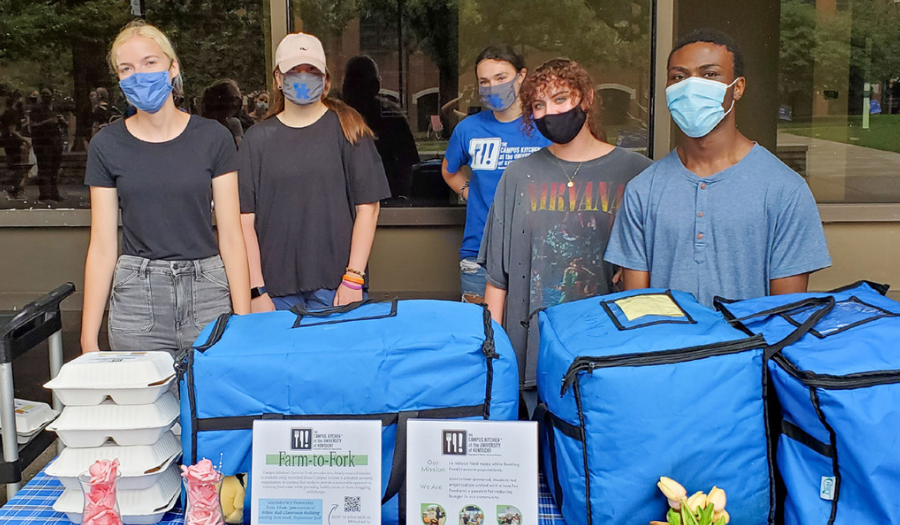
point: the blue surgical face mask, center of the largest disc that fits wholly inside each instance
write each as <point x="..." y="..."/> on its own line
<point x="147" y="91"/>
<point x="303" y="88"/>
<point x="696" y="104"/>
<point x="500" y="97"/>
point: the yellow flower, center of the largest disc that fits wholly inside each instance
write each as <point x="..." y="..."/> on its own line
<point x="671" y="489"/>
<point x="675" y="504"/>
<point x="721" y="514"/>
<point x="717" y="498"/>
<point x="697" y="502"/>
<point x="658" y="523"/>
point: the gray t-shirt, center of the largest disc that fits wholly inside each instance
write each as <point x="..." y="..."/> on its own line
<point x="164" y="188"/>
<point x="727" y="234"/>
<point x="304" y="184"/>
<point x="544" y="241"/>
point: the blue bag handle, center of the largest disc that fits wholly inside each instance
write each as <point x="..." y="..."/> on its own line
<point x="827" y="302"/>
<point x="340" y="310"/>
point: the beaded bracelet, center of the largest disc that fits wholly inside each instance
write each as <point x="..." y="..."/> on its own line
<point x="352" y="286"/>
<point x="357" y="272"/>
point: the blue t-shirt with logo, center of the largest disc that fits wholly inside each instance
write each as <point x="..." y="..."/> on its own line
<point x="487" y="146"/>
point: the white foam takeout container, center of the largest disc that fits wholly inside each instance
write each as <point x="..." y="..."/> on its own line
<point x="141" y="466"/>
<point x="31" y="418"/>
<point x="129" y="378"/>
<point x="127" y="425"/>
<point x="138" y="507"/>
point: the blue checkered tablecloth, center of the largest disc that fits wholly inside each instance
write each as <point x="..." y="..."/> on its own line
<point x="34" y="504"/>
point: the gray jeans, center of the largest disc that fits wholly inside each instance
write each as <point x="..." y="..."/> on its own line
<point x="163" y="305"/>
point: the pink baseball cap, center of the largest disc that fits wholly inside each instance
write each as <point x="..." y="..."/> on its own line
<point x="300" y="48"/>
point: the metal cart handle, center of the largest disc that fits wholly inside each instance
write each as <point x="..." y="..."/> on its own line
<point x="23" y="332"/>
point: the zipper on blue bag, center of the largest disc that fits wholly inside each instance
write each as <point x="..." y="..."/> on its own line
<point x="663" y="357"/>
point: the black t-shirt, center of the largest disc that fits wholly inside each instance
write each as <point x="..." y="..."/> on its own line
<point x="303" y="185"/>
<point x="102" y="114"/>
<point x="9" y="120"/>
<point x="164" y="189"/>
<point x="44" y="124"/>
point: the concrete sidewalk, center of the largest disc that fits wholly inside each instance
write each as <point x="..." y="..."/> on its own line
<point x="839" y="172"/>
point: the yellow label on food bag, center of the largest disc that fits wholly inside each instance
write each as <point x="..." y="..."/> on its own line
<point x="656" y="304"/>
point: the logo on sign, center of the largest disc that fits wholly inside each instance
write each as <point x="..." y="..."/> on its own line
<point x="454" y="443"/>
<point x="485" y="153"/>
<point x="301" y="439"/>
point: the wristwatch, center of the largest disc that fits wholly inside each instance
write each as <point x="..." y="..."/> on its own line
<point x="256" y="292"/>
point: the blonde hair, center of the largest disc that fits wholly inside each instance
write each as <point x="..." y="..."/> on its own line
<point x="138" y="28"/>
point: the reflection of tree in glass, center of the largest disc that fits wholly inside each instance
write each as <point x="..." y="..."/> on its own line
<point x="592" y="32"/>
<point x="214" y="39"/>
<point x="861" y="40"/>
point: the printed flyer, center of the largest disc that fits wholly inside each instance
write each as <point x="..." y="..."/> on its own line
<point x="308" y="472"/>
<point x="472" y="472"/>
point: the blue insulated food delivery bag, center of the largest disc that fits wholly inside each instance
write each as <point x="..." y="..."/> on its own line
<point x="644" y="384"/>
<point x="385" y="361"/>
<point x="835" y="368"/>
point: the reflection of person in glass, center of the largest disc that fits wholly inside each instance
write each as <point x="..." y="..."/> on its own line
<point x="47" y="139"/>
<point x="487" y="142"/>
<point x="311" y="181"/>
<point x="162" y="167"/>
<point x="553" y="211"/>
<point x="752" y="222"/>
<point x="16" y="145"/>
<point x="393" y="138"/>
<point x="260" y="107"/>
<point x="222" y="102"/>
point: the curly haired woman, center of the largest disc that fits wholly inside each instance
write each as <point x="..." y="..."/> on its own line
<point x="549" y="225"/>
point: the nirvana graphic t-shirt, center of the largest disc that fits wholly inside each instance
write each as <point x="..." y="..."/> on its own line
<point x="487" y="146"/>
<point x="545" y="239"/>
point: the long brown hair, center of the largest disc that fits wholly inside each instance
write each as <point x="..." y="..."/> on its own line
<point x="567" y="73"/>
<point x="352" y="123"/>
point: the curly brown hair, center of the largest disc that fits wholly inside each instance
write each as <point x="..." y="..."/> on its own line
<point x="560" y="71"/>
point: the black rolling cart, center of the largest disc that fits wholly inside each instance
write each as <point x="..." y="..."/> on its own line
<point x="20" y="331"/>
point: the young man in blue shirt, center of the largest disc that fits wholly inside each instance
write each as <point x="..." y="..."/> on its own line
<point x="720" y="215"/>
<point x="487" y="142"/>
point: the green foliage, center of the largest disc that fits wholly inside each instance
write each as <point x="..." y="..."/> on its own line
<point x="215" y="39"/>
<point x="706" y="515"/>
<point x="828" y="42"/>
<point x="673" y="517"/>
<point x="616" y="34"/>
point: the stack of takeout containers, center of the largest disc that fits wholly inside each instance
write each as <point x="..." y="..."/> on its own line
<point x="119" y="405"/>
<point x="31" y="418"/>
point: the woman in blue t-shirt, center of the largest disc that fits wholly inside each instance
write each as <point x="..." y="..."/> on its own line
<point x="162" y="168"/>
<point x="487" y="142"/>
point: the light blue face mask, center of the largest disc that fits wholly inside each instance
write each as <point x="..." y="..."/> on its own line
<point x="696" y="104"/>
<point x="500" y="97"/>
<point x="147" y="91"/>
<point x="303" y="88"/>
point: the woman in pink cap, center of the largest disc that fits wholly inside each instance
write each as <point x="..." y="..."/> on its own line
<point x="310" y="184"/>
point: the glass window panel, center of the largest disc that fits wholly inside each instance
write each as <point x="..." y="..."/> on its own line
<point x="425" y="52"/>
<point x="839" y="85"/>
<point x="61" y="47"/>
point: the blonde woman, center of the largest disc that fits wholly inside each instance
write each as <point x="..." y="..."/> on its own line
<point x="311" y="181"/>
<point x="161" y="168"/>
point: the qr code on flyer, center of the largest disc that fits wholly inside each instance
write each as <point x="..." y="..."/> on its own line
<point x="351" y="503"/>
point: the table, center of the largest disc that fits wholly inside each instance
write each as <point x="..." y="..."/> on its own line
<point x="34" y="504"/>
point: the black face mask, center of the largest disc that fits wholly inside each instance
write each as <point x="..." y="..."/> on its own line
<point x="561" y="128"/>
